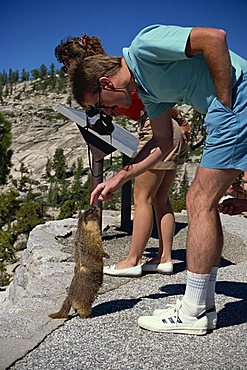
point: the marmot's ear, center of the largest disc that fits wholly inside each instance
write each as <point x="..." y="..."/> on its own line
<point x="80" y="217"/>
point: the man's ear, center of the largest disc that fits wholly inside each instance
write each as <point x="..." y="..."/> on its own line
<point x="106" y="83"/>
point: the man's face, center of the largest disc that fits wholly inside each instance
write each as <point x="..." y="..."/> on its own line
<point x="108" y="99"/>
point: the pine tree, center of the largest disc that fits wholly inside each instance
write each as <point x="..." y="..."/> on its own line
<point x="4" y="77"/>
<point x="48" y="168"/>
<point x="35" y="74"/>
<point x="1" y="91"/>
<point x="5" y="152"/>
<point x="52" y="70"/>
<point x="76" y="187"/>
<point x="59" y="164"/>
<point x="24" y="75"/>
<point x="52" y="75"/>
<point x="10" y="76"/>
<point x="43" y="71"/>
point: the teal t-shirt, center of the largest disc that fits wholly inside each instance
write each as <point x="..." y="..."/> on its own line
<point x="166" y="76"/>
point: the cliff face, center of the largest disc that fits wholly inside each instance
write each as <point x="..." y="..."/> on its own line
<point x="38" y="130"/>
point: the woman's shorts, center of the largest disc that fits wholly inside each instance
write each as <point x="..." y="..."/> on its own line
<point x="226" y="141"/>
<point x="176" y="156"/>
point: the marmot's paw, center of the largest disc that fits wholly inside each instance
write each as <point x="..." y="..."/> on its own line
<point x="58" y="315"/>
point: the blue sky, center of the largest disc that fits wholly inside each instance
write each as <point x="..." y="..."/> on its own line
<point x="30" y="29"/>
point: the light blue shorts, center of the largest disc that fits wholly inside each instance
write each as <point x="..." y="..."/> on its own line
<point x="226" y="141"/>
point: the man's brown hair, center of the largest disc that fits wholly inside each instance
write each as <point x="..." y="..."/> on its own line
<point x="84" y="74"/>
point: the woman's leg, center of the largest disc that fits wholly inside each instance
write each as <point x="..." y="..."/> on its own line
<point x="145" y="189"/>
<point x="164" y="218"/>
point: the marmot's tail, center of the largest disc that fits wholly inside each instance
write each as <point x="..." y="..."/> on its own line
<point x="64" y="311"/>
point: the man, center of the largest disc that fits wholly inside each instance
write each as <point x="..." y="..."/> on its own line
<point x="169" y="65"/>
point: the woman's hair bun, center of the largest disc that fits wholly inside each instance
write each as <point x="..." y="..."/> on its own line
<point x="74" y="48"/>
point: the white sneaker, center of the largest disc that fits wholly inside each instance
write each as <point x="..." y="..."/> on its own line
<point x="210" y="313"/>
<point x="128" y="272"/>
<point x="212" y="318"/>
<point x="163" y="268"/>
<point x="174" y="321"/>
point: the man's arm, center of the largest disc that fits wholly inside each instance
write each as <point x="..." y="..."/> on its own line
<point x="155" y="150"/>
<point x="212" y="43"/>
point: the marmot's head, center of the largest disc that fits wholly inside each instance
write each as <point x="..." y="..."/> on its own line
<point x="89" y="220"/>
<point x="90" y="214"/>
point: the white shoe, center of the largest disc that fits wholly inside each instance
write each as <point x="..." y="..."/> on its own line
<point x="128" y="272"/>
<point x="163" y="268"/>
<point x="212" y="318"/>
<point x="210" y="313"/>
<point x="174" y="321"/>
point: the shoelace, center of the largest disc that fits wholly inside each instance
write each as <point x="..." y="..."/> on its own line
<point x="173" y="310"/>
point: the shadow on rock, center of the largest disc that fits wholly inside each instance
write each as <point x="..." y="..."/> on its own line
<point x="114" y="306"/>
<point x="122" y="304"/>
<point x="227" y="288"/>
<point x="232" y="289"/>
<point x="233" y="313"/>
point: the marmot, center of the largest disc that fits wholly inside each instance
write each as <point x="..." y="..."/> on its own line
<point x="88" y="272"/>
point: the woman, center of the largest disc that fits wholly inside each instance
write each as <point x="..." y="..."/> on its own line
<point x="151" y="190"/>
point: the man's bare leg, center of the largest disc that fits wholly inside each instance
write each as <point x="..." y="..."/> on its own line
<point x="205" y="237"/>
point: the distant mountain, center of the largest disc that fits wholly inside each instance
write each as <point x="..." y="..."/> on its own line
<point x="37" y="128"/>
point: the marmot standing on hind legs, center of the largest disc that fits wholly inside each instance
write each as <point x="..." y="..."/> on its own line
<point x="88" y="273"/>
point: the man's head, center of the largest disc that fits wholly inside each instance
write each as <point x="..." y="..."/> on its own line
<point x="100" y="81"/>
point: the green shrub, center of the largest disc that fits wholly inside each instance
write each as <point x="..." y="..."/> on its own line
<point x="178" y="204"/>
<point x="4" y="277"/>
<point x="9" y="204"/>
<point x="6" y="246"/>
<point x="68" y="209"/>
<point x="30" y="214"/>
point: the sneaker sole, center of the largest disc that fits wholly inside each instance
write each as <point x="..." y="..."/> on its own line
<point x="175" y="330"/>
<point x="212" y="318"/>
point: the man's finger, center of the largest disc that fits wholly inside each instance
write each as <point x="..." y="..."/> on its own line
<point x="96" y="193"/>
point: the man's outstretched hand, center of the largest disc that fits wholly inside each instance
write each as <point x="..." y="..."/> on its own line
<point x="105" y="190"/>
<point x="100" y="193"/>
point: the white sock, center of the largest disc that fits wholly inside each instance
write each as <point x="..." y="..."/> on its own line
<point x="210" y="301"/>
<point x="194" y="300"/>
